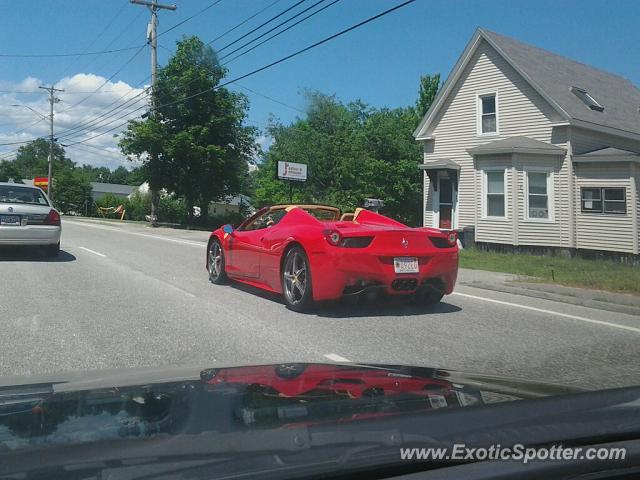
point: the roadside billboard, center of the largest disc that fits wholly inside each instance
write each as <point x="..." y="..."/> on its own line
<point x="292" y="171"/>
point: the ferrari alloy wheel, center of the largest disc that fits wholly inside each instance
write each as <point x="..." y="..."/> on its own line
<point x="296" y="280"/>
<point x="215" y="261"/>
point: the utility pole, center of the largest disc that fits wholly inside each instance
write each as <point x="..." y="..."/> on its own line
<point x="152" y="39"/>
<point x="52" y="99"/>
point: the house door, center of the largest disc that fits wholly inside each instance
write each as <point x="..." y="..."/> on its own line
<point x="446" y="191"/>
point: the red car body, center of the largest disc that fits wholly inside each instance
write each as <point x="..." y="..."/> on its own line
<point x="362" y="257"/>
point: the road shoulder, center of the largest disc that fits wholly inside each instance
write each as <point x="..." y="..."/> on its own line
<point x="518" y="285"/>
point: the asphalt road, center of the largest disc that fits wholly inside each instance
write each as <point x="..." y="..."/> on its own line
<point x="126" y="295"/>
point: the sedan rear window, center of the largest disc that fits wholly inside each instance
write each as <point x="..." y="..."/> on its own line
<point x="11" y="194"/>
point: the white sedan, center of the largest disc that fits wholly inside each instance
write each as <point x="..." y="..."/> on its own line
<point x="28" y="218"/>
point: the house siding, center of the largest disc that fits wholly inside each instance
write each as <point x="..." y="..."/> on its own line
<point x="521" y="111"/>
<point x="602" y="231"/>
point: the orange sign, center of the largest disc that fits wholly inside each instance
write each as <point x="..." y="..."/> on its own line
<point x="41" y="181"/>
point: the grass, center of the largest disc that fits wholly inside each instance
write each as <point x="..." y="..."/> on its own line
<point x="574" y="272"/>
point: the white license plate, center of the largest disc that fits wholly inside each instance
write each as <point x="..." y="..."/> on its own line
<point x="405" y="265"/>
<point x="9" y="220"/>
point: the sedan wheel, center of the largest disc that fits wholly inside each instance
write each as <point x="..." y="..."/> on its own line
<point x="215" y="262"/>
<point x="296" y="280"/>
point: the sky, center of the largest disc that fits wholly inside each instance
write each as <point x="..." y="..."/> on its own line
<point x="379" y="63"/>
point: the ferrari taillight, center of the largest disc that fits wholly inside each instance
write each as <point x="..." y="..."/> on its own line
<point x="52" y="219"/>
<point x="333" y="237"/>
<point x="452" y="239"/>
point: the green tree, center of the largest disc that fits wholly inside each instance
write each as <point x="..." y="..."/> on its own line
<point x="119" y="175"/>
<point x="145" y="139"/>
<point x="72" y="190"/>
<point x="429" y="86"/>
<point x="352" y="152"/>
<point x="10" y="171"/>
<point x="195" y="144"/>
<point x="32" y="159"/>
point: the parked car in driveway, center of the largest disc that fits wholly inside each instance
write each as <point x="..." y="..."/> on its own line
<point x="311" y="252"/>
<point x="27" y="217"/>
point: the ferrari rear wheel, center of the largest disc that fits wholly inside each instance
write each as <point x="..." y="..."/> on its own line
<point x="296" y="280"/>
<point x="217" y="274"/>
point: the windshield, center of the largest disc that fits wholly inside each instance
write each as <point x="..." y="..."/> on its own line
<point x="13" y="194"/>
<point x="208" y="208"/>
<point x="323" y="214"/>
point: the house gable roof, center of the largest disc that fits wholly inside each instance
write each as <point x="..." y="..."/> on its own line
<point x="114" y="188"/>
<point x="517" y="145"/>
<point x="553" y="77"/>
<point x="608" y="154"/>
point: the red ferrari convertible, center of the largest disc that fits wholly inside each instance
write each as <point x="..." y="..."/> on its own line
<point x="310" y="253"/>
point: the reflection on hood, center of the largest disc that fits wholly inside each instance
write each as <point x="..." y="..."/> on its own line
<point x="240" y="398"/>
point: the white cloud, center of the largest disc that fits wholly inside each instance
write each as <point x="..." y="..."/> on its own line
<point x="78" y="117"/>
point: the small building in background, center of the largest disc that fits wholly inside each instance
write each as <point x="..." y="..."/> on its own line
<point x="229" y="205"/>
<point x="101" y="189"/>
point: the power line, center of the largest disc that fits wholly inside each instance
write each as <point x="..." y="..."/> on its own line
<point x="264" y="67"/>
<point x="259" y="26"/>
<point x="220" y="36"/>
<point x="96" y="38"/>
<point x="106" y="81"/>
<point x="94" y="121"/>
<point x="316" y="44"/>
<point x="271" y="30"/>
<point x="226" y="32"/>
<point x="75" y="54"/>
<point x="277" y="33"/>
<point x="269" y="98"/>
<point x="189" y="18"/>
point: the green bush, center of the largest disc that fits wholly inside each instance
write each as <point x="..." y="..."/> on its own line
<point x="138" y="206"/>
<point x="172" y="210"/>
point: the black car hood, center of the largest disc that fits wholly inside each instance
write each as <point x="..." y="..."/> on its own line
<point x="73" y="381"/>
<point x="129" y="415"/>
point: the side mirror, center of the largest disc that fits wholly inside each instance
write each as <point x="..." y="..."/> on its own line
<point x="227" y="229"/>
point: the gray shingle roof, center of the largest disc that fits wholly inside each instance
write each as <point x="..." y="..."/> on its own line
<point x="609" y="152"/>
<point x="554" y="75"/>
<point x="517" y="145"/>
<point x="115" y="188"/>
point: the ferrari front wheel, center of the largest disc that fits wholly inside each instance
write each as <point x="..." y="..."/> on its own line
<point x="296" y="280"/>
<point x="215" y="262"/>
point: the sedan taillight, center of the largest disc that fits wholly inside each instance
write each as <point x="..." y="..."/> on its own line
<point x="52" y="219"/>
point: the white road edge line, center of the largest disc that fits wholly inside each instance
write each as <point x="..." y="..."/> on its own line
<point x="551" y="312"/>
<point x="93" y="251"/>
<point x="157" y="237"/>
<point x="337" y="358"/>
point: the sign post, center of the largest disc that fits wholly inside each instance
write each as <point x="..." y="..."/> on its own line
<point x="292" y="172"/>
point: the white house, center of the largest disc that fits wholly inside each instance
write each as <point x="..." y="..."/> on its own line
<point x="533" y="150"/>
